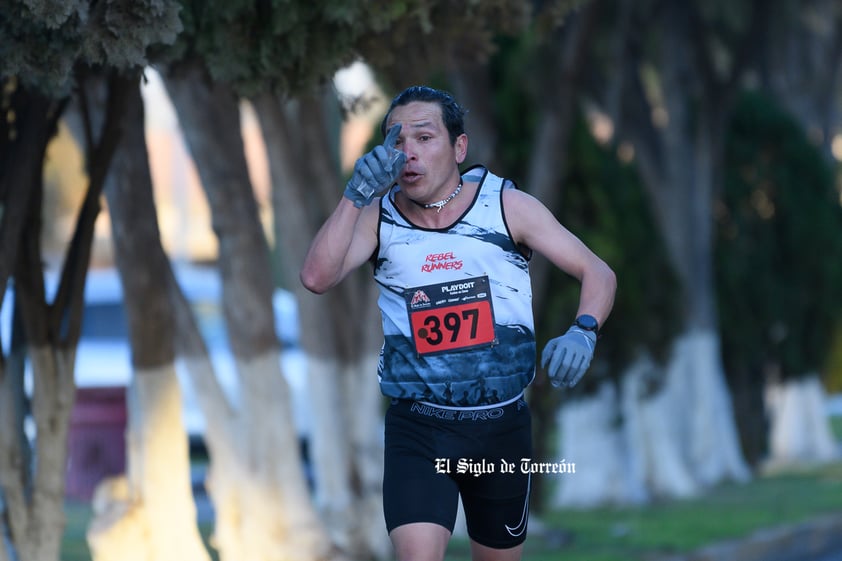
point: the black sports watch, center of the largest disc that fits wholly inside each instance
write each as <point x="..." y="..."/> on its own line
<point x="587" y="322"/>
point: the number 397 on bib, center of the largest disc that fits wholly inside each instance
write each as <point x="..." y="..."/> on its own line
<point x="451" y="316"/>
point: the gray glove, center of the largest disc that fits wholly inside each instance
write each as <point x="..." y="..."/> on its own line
<point x="569" y="356"/>
<point x="376" y="171"/>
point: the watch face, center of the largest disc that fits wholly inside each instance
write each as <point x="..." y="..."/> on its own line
<point x="587" y="322"/>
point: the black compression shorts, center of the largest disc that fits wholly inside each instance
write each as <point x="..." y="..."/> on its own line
<point x="433" y="455"/>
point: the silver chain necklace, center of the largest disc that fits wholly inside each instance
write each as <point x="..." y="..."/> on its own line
<point x="438" y="205"/>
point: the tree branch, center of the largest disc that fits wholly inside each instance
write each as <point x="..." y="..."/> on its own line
<point x="66" y="310"/>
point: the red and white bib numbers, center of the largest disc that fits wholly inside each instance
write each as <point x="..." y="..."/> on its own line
<point x="451" y="316"/>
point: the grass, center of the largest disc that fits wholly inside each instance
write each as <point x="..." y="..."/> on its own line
<point x="635" y="533"/>
<point x="836" y="426"/>
<point x="641" y="534"/>
<point x="73" y="546"/>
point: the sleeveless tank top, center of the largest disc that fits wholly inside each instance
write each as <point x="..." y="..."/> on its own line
<point x="456" y="305"/>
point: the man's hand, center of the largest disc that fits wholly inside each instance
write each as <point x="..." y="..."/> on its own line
<point x="569" y="356"/>
<point x="376" y="171"/>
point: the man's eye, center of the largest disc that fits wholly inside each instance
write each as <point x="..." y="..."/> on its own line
<point x="424" y="137"/>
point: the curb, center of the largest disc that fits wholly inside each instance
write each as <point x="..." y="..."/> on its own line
<point x="796" y="542"/>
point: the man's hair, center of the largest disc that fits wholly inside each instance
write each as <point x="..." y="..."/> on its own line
<point x="451" y="112"/>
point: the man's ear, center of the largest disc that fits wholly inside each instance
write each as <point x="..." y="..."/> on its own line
<point x="461" y="148"/>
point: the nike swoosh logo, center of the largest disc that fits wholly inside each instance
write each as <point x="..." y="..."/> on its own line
<point x="521" y="526"/>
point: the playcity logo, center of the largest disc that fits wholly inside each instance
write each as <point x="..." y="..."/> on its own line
<point x="441" y="262"/>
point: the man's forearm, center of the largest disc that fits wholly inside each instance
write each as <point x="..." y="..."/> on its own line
<point x="599" y="284"/>
<point x="324" y="265"/>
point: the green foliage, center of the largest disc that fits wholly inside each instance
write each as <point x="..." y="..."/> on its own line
<point x="44" y="40"/>
<point x="779" y="244"/>
<point x="510" y="70"/>
<point x="40" y="46"/>
<point x="604" y="205"/>
<point x="433" y="35"/>
<point x="118" y="34"/>
<point x="283" y="46"/>
<point x="517" y="71"/>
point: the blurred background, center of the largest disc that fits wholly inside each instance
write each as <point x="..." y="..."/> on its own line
<point x="170" y="391"/>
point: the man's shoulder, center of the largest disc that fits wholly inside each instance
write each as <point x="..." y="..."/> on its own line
<point x="481" y="174"/>
<point x="474" y="173"/>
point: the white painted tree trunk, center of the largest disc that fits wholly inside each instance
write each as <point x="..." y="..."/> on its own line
<point x="623" y="460"/>
<point x="689" y="424"/>
<point x="262" y="506"/>
<point x="365" y="404"/>
<point x="330" y="446"/>
<point x="346" y="438"/>
<point x="226" y="451"/>
<point x="654" y="436"/>
<point x="714" y="452"/>
<point x="686" y="431"/>
<point x="347" y="447"/>
<point x="673" y="443"/>
<point x="592" y="439"/>
<point x="279" y="521"/>
<point x="800" y="430"/>
<point x="150" y="514"/>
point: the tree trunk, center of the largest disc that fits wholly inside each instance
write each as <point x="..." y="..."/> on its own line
<point x="21" y="519"/>
<point x="655" y="459"/>
<point x="683" y="207"/>
<point x="566" y="53"/>
<point x="692" y="149"/>
<point x="33" y="493"/>
<point x="269" y="512"/>
<point x="802" y="56"/>
<point x="22" y="151"/>
<point x="803" y="66"/>
<point x="800" y="430"/>
<point x="36" y="520"/>
<point x="678" y="156"/>
<point x="151" y="514"/>
<point x="340" y="331"/>
<point x="348" y="460"/>
<point x="595" y="444"/>
<point x="471" y="84"/>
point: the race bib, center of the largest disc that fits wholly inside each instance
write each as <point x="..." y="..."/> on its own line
<point x="451" y="316"/>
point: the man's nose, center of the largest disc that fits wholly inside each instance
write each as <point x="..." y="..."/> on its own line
<point x="407" y="149"/>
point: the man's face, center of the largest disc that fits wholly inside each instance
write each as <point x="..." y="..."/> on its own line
<point x="431" y="160"/>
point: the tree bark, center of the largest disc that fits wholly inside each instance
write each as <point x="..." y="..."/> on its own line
<point x="34" y="502"/>
<point x="24" y="144"/>
<point x="800" y="431"/>
<point x="565" y="55"/>
<point x="594" y="443"/>
<point x="802" y="65"/>
<point x="678" y="158"/>
<point x="272" y="515"/>
<point x="340" y="331"/>
<point x="802" y="69"/>
<point x="472" y="86"/>
<point x="23" y="150"/>
<point x="151" y="515"/>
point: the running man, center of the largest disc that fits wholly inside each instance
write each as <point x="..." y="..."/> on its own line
<point x="450" y="253"/>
